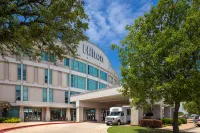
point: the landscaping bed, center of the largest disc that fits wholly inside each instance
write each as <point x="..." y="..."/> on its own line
<point x="9" y="120"/>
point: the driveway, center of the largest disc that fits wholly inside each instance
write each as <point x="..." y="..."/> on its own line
<point x="65" y="128"/>
<point x="194" y="130"/>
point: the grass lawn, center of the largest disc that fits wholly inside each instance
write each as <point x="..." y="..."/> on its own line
<point x="134" y="129"/>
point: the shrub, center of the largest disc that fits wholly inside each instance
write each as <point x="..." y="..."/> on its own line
<point x="2" y="119"/>
<point x="151" y="123"/>
<point x="167" y="121"/>
<point x="184" y="121"/>
<point x="179" y="122"/>
<point x="180" y="113"/>
<point x="12" y="120"/>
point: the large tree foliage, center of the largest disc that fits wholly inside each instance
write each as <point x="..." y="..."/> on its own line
<point x="33" y="26"/>
<point x="192" y="107"/>
<point x="4" y="106"/>
<point x="160" y="55"/>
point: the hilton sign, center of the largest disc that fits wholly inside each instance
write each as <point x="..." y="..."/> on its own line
<point x="90" y="51"/>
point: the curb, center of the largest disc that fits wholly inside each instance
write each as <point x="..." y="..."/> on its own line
<point x="14" y="128"/>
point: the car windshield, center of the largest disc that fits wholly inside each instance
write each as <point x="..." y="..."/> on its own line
<point x="115" y="114"/>
<point x="196" y="117"/>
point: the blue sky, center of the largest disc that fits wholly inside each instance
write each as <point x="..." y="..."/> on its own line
<point x="108" y="19"/>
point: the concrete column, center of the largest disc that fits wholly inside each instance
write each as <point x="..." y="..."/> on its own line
<point x="47" y="115"/>
<point x="167" y="112"/>
<point x="136" y="116"/>
<point x="79" y="114"/>
<point x="68" y="115"/>
<point x="21" y="113"/>
<point x="98" y="114"/>
<point x="43" y="114"/>
<point x="157" y="111"/>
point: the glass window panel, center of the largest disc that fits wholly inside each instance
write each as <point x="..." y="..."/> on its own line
<point x="25" y="93"/>
<point x="44" y="94"/>
<point x="19" y="71"/>
<point x="92" y="84"/>
<point x="66" y="61"/>
<point x="18" y="92"/>
<point x="66" y="97"/>
<point x="50" y="76"/>
<point x="24" y="72"/>
<point x="46" y="75"/>
<point x="50" y="95"/>
<point x="103" y="75"/>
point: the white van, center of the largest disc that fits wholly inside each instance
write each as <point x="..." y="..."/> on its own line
<point x="119" y="115"/>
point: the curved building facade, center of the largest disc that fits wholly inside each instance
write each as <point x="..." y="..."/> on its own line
<point x="41" y="90"/>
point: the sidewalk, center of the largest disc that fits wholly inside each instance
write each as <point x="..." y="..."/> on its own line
<point x="4" y="126"/>
<point x="182" y="127"/>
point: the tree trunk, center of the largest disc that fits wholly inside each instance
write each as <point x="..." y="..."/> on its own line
<point x="175" y="118"/>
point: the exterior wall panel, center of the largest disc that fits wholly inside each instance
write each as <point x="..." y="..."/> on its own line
<point x="64" y="80"/>
<point x="13" y="72"/>
<point x="40" y="76"/>
<point x="34" y="94"/>
<point x="7" y="93"/>
<point x="2" y="70"/>
<point x="55" y="78"/>
<point x="30" y="74"/>
<point x="59" y="96"/>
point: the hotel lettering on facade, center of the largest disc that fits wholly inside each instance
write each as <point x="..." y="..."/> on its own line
<point x="41" y="90"/>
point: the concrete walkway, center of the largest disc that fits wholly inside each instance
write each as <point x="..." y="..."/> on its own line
<point x="65" y="128"/>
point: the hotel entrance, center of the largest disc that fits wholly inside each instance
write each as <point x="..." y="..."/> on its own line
<point x="32" y="114"/>
<point x="90" y="115"/>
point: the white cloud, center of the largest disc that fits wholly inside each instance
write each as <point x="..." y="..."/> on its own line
<point x="109" y="18"/>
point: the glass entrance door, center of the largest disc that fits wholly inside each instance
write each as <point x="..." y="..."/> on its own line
<point x="32" y="114"/>
<point x="90" y="115"/>
<point x="73" y="114"/>
<point x="55" y="114"/>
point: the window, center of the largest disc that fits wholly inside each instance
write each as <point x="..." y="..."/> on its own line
<point x="24" y="72"/>
<point x="74" y="93"/>
<point x="78" y="82"/>
<point x="93" y="71"/>
<point x="50" y="76"/>
<point x="48" y="57"/>
<point x="66" y="61"/>
<point x="50" y="95"/>
<point x="102" y="86"/>
<point x="19" y="71"/>
<point x="25" y="93"/>
<point x="128" y="111"/>
<point x="68" y="79"/>
<point x="66" y="97"/>
<point x="103" y="75"/>
<point x="46" y="75"/>
<point x="18" y="92"/>
<point x="78" y="66"/>
<point x="92" y="84"/>
<point x="44" y="94"/>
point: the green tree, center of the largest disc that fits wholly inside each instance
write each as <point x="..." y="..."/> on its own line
<point x="192" y="107"/>
<point x="159" y="56"/>
<point x="32" y="26"/>
<point x="4" y="106"/>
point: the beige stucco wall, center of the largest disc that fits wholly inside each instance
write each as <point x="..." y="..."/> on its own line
<point x="35" y="94"/>
<point x="2" y="69"/>
<point x="41" y="76"/>
<point x="7" y="93"/>
<point x="30" y="74"/>
<point x="13" y="72"/>
<point x="54" y="78"/>
<point x="64" y="79"/>
<point x="59" y="96"/>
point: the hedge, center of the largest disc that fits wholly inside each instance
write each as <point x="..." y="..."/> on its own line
<point x="151" y="123"/>
<point x="169" y="121"/>
<point x="9" y="120"/>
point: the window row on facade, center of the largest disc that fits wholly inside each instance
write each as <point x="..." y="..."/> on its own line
<point x="47" y="94"/>
<point x="78" y="66"/>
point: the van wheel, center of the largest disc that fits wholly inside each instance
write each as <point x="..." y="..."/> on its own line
<point x="119" y="122"/>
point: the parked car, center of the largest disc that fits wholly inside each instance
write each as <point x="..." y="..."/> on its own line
<point x="192" y="116"/>
<point x="197" y="120"/>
